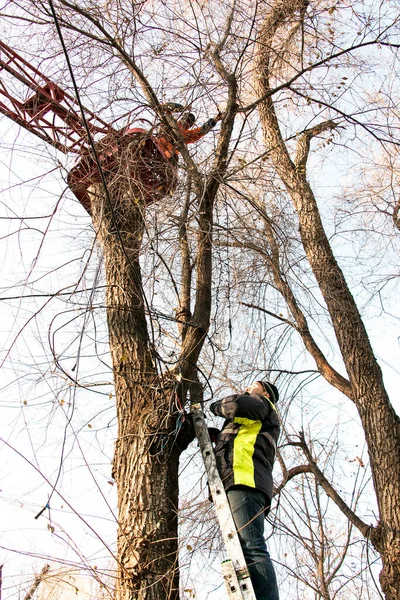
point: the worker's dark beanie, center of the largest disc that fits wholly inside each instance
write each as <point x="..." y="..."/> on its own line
<point x="271" y="389"/>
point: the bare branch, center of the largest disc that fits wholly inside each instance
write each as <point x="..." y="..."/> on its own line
<point x="330" y="491"/>
<point x="289" y="474"/>
<point x="303" y="144"/>
<point x="38" y="579"/>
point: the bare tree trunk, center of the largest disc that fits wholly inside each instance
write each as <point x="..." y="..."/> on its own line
<point x="145" y="466"/>
<point x="382" y="431"/>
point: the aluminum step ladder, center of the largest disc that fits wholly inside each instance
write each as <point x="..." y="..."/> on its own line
<point x="234" y="570"/>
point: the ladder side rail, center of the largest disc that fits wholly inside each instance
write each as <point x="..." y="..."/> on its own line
<point x="224" y="515"/>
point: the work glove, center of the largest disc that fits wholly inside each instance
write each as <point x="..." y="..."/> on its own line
<point x="213" y="432"/>
<point x="186" y="433"/>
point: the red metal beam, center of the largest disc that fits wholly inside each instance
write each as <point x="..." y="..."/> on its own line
<point x="43" y="107"/>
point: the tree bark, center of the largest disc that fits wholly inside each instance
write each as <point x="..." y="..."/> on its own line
<point x="145" y="463"/>
<point x="382" y="431"/>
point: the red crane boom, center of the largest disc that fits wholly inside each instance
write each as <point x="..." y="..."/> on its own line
<point x="42" y="107"/>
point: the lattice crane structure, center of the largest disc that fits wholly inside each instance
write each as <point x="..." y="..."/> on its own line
<point x="42" y="107"/>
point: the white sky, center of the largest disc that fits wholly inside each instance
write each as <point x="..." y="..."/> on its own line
<point x="68" y="435"/>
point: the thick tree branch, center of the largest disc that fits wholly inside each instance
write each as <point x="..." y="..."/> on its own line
<point x="396" y="216"/>
<point x="221" y="152"/>
<point x="315" y="65"/>
<point x="304" y="140"/>
<point x="330" y="491"/>
<point x="289" y="474"/>
<point x="183" y="312"/>
<point x="300" y="325"/>
<point x="140" y="77"/>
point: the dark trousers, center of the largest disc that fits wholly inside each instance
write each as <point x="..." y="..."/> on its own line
<point x="247" y="507"/>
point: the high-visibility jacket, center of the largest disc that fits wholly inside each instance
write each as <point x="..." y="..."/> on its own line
<point x="246" y="447"/>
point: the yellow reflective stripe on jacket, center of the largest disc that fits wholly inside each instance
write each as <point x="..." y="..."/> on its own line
<point x="243" y="450"/>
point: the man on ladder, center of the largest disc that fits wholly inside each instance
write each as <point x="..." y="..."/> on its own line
<point x="245" y="452"/>
<point x="242" y="467"/>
